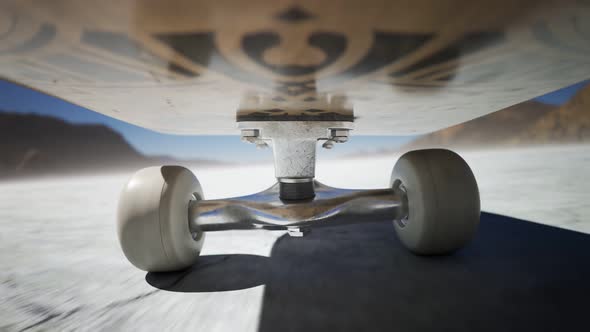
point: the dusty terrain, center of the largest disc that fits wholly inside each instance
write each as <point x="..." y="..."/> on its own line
<point x="62" y="269"/>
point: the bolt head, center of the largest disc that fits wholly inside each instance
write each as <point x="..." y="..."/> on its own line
<point x="339" y="132"/>
<point x="250" y="132"/>
<point x="248" y="139"/>
<point x="261" y="144"/>
<point x="328" y="144"/>
<point x="340" y="139"/>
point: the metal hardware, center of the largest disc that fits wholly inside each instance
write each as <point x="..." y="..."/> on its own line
<point x="339" y="135"/>
<point x="294" y="148"/>
<point x="403" y="214"/>
<point x="297" y="202"/>
<point x="247" y="133"/>
<point x="297" y="231"/>
<point x="331" y="206"/>
<point x="329" y="144"/>
<point x="294" y="142"/>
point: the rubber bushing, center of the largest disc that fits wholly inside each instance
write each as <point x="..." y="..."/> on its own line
<point x="298" y="191"/>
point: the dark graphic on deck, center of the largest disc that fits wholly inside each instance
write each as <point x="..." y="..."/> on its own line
<point x="295" y="55"/>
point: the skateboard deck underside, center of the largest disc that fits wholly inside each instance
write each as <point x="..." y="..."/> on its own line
<point x="195" y="67"/>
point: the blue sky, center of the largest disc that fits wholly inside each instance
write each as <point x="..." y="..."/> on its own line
<point x="14" y="98"/>
<point x="562" y="95"/>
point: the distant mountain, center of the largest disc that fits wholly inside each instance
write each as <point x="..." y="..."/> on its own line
<point x="569" y="123"/>
<point x="39" y="145"/>
<point x="527" y="123"/>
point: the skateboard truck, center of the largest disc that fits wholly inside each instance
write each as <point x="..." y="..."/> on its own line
<point x="297" y="201"/>
<point x="294" y="149"/>
<point x="432" y="199"/>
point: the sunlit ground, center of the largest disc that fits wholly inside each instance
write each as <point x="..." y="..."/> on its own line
<point x="62" y="267"/>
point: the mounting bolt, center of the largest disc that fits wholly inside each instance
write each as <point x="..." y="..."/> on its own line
<point x="339" y="135"/>
<point x="328" y="144"/>
<point x="260" y="144"/>
<point x="250" y="132"/>
<point x="250" y="135"/>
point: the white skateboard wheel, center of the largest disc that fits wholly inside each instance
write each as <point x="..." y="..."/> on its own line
<point x="153" y="225"/>
<point x="443" y="201"/>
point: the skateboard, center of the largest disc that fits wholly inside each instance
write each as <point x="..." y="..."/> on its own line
<point x="289" y="75"/>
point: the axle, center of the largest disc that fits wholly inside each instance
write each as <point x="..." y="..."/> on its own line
<point x="331" y="206"/>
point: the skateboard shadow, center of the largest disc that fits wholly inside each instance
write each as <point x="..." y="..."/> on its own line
<point x="214" y="273"/>
<point x="515" y="275"/>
